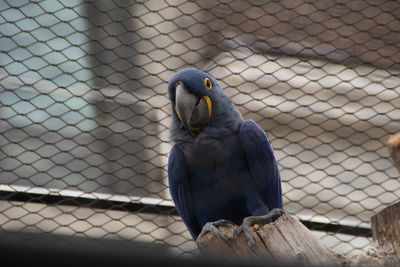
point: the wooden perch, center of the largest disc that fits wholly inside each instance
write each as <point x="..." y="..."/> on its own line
<point x="282" y="241"/>
<point x="287" y="240"/>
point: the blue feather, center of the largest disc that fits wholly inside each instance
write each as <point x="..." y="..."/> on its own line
<point x="227" y="170"/>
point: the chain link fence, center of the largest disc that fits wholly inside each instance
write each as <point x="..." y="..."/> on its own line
<point x="84" y="112"/>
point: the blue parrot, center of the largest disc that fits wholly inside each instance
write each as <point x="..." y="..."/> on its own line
<point x="221" y="168"/>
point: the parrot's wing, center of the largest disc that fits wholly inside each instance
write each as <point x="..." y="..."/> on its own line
<point x="262" y="163"/>
<point x="180" y="191"/>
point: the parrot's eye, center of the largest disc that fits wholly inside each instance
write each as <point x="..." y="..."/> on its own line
<point x="208" y="83"/>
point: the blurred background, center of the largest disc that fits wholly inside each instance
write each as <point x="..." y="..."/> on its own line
<point x="84" y="113"/>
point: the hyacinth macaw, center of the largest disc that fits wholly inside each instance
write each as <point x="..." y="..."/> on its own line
<point x="222" y="168"/>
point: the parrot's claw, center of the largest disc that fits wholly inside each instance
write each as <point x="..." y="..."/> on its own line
<point x="212" y="228"/>
<point x="252" y="220"/>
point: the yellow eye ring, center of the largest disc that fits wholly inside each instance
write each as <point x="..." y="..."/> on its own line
<point x="208" y="83"/>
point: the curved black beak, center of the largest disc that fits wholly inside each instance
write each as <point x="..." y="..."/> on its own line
<point x="192" y="110"/>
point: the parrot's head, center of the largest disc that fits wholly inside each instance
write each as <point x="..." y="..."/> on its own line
<point x="199" y="105"/>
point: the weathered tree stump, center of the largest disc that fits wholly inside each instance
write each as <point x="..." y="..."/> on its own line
<point x="287" y="240"/>
<point x="385" y="248"/>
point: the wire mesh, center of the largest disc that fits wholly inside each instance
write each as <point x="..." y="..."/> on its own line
<point x="85" y="113"/>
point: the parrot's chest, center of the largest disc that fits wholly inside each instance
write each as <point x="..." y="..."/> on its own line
<point x="220" y="181"/>
<point x="214" y="157"/>
<point x="218" y="168"/>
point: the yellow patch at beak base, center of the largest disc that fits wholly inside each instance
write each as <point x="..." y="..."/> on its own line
<point x="209" y="105"/>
